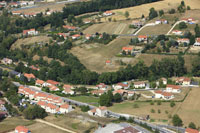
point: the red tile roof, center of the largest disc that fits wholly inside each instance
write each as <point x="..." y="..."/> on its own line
<point x="41" y="103"/>
<point x="76" y="35"/>
<point x="97" y="91"/>
<point x="198" y="40"/>
<point x="29" y="76"/>
<point x="38" y="81"/>
<point x="52" y="82"/>
<point x="93" y="110"/>
<point x="51" y="106"/>
<point x="127" y="48"/>
<point x="127" y="130"/>
<point x="64" y="106"/>
<point x="173" y="86"/>
<point x="69" y="27"/>
<point x="142" y="36"/>
<point x="122" y="84"/>
<point x="102" y="108"/>
<point x="65" y="86"/>
<point x="26" y="31"/>
<point x="108" y="61"/>
<point x="190" y="130"/>
<point x="21" y="129"/>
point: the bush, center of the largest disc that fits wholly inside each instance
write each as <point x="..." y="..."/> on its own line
<point x="176" y="120"/>
<point x="159" y="111"/>
<point x="152" y="111"/>
<point x="182" y="25"/>
<point x="122" y="118"/>
<point x="192" y="125"/>
<point x="85" y="108"/>
<point x="159" y="103"/>
<point x="172" y="104"/>
<point x="172" y="11"/>
<point x="152" y="103"/>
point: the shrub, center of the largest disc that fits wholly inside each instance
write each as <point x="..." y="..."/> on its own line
<point x="159" y="103"/>
<point x="172" y="104"/>
<point x="152" y="111"/>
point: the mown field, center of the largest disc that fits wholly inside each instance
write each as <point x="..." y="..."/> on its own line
<point x="87" y="99"/>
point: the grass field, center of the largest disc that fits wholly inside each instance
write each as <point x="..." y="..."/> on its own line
<point x="137" y="11"/>
<point x="36" y="57"/>
<point x="30" y="41"/>
<point x="93" y="56"/>
<point x="38" y="127"/>
<point x="86" y="99"/>
<point x="110" y="28"/>
<point x="9" y="124"/>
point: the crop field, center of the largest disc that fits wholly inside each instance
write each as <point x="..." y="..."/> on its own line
<point x="137" y="11"/>
<point x="110" y="28"/>
<point x="94" y="56"/>
<point x="30" y="41"/>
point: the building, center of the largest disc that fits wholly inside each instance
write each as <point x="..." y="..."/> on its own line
<point x="39" y="82"/>
<point x="142" y="38"/>
<point x="183" y="41"/>
<point x="164" y="81"/>
<point x="30" y="32"/>
<point x="65" y="108"/>
<point x="7" y="61"/>
<point x="177" y="32"/>
<point x="102" y="86"/>
<point x="123" y="85"/>
<point x="139" y="84"/>
<point x="101" y="111"/>
<point x="197" y="43"/>
<point x="190" y="130"/>
<point x="137" y="23"/>
<point x="34" y="68"/>
<point x="129" y="129"/>
<point x="29" y="76"/>
<point x="164" y="95"/>
<point x="127" y="49"/>
<point x="92" y="112"/>
<point x="76" y="36"/>
<point x="51" y="108"/>
<point x="22" y="129"/>
<point x="62" y="35"/>
<point x="29" y="15"/>
<point x="98" y="92"/>
<point x="161" y="21"/>
<point x="120" y="91"/>
<point x="42" y="104"/>
<point x="16" y="12"/>
<point x="71" y="28"/>
<point x="183" y="81"/>
<point x="88" y="36"/>
<point x="108" y="62"/>
<point x="173" y="88"/>
<point x="108" y="13"/>
<point x="51" y="82"/>
<point x="68" y="91"/>
<point x="53" y="88"/>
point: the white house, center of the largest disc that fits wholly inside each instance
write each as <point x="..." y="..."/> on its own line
<point x="162" y="21"/>
<point x="130" y="93"/>
<point x="123" y="85"/>
<point x="142" y="38"/>
<point x="7" y="61"/>
<point x="68" y="91"/>
<point x="92" y="112"/>
<point x="51" y="108"/>
<point x="173" y="88"/>
<point x="65" y="108"/>
<point x="76" y="36"/>
<point x="183" y="81"/>
<point x="197" y="43"/>
<point x="102" y="86"/>
<point x="22" y="129"/>
<point x="183" y="41"/>
<point x="164" y="81"/>
<point x="30" y="32"/>
<point x="139" y="84"/>
<point x="101" y="111"/>
<point x="39" y="82"/>
<point x="177" y="32"/>
<point x="108" y="13"/>
<point x="98" y="92"/>
<point x="42" y="104"/>
<point x="164" y="95"/>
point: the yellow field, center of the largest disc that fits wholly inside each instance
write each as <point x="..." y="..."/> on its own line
<point x="137" y="11"/>
<point x="30" y="41"/>
<point x="110" y="28"/>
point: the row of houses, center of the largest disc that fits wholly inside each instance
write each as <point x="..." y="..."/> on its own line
<point x="51" y="103"/>
<point x="17" y="4"/>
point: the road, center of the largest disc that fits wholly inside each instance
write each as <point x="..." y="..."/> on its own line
<point x="55" y="126"/>
<point x="168" y="33"/>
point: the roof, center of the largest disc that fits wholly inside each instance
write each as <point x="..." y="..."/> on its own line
<point x="139" y="82"/>
<point x="97" y="91"/>
<point x="129" y="129"/>
<point x="108" y="61"/>
<point x="183" y="39"/>
<point x="176" y="31"/>
<point x="88" y="35"/>
<point x="108" y="12"/>
<point x="158" y="91"/>
<point x="65" y="86"/>
<point x="93" y="110"/>
<point x="181" y="79"/>
<point x="102" y="108"/>
<point x="26" y="31"/>
<point x="34" y="68"/>
<point x="167" y="94"/>
<point x="62" y="34"/>
<point x="52" y="106"/>
<point x="163" y="79"/>
<point x="29" y="76"/>
<point x="142" y="36"/>
<point x="52" y="82"/>
<point x="53" y="87"/>
<point x="119" y="91"/>
<point x="64" y="106"/>
<point x="69" y="27"/>
<point x="76" y="35"/>
<point x="198" y="40"/>
<point x="22" y="129"/>
<point x="38" y="81"/>
<point x="41" y="103"/>
<point x="190" y="130"/>
<point x="101" y="85"/>
<point x="173" y="86"/>
<point x="127" y="48"/>
<point x="67" y="90"/>
<point x="122" y="84"/>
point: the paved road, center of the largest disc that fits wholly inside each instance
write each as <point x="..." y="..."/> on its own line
<point x="55" y="126"/>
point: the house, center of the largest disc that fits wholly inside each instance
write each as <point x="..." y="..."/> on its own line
<point x="13" y="4"/>
<point x="108" y="62"/>
<point x="51" y="108"/>
<point x="139" y="84"/>
<point x="29" y="15"/>
<point x="42" y="104"/>
<point x="29" y="76"/>
<point x="190" y="130"/>
<point x="120" y="91"/>
<point x="189" y="20"/>
<point x="123" y="85"/>
<point x="88" y="36"/>
<point x="183" y="81"/>
<point x="108" y="13"/>
<point x="197" y="43"/>
<point x="22" y="129"/>
<point x="7" y="61"/>
<point x="86" y="21"/>
<point x="130" y="93"/>
<point x="53" y="88"/>
<point x="137" y="23"/>
<point x="62" y="35"/>
<point x="51" y="82"/>
<point x="183" y="41"/>
<point x="177" y="32"/>
<point x="68" y="91"/>
<point x="76" y="36"/>
<point x="34" y="68"/>
<point x="92" y="112"/>
<point x="30" y="32"/>
<point x="173" y="88"/>
<point x="163" y="95"/>
<point x="127" y="49"/>
<point x="98" y="92"/>
<point x="71" y="28"/>
<point x="142" y="38"/>
<point x="164" y="81"/>
<point x="102" y="86"/>
<point x="16" y="12"/>
<point x="162" y="21"/>
<point x="65" y="108"/>
<point x="101" y="111"/>
<point x="3" y="3"/>
<point x="129" y="129"/>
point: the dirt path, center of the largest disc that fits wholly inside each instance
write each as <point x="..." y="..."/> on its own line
<point x="55" y="126"/>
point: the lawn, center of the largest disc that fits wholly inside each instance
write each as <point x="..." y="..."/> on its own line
<point x="86" y="99"/>
<point x="9" y="124"/>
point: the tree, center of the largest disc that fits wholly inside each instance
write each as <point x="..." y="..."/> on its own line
<point x="104" y="100"/>
<point x="172" y="104"/>
<point x="152" y="111"/>
<point x="33" y="112"/>
<point x="117" y="98"/>
<point x="158" y="102"/>
<point x="161" y="13"/>
<point x="172" y="11"/>
<point x="182" y="25"/>
<point x="192" y="125"/>
<point x="153" y="13"/>
<point x="176" y="120"/>
<point x="188" y="8"/>
<point x="159" y="111"/>
<point x="85" y="108"/>
<point x="197" y="31"/>
<point x="126" y="14"/>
